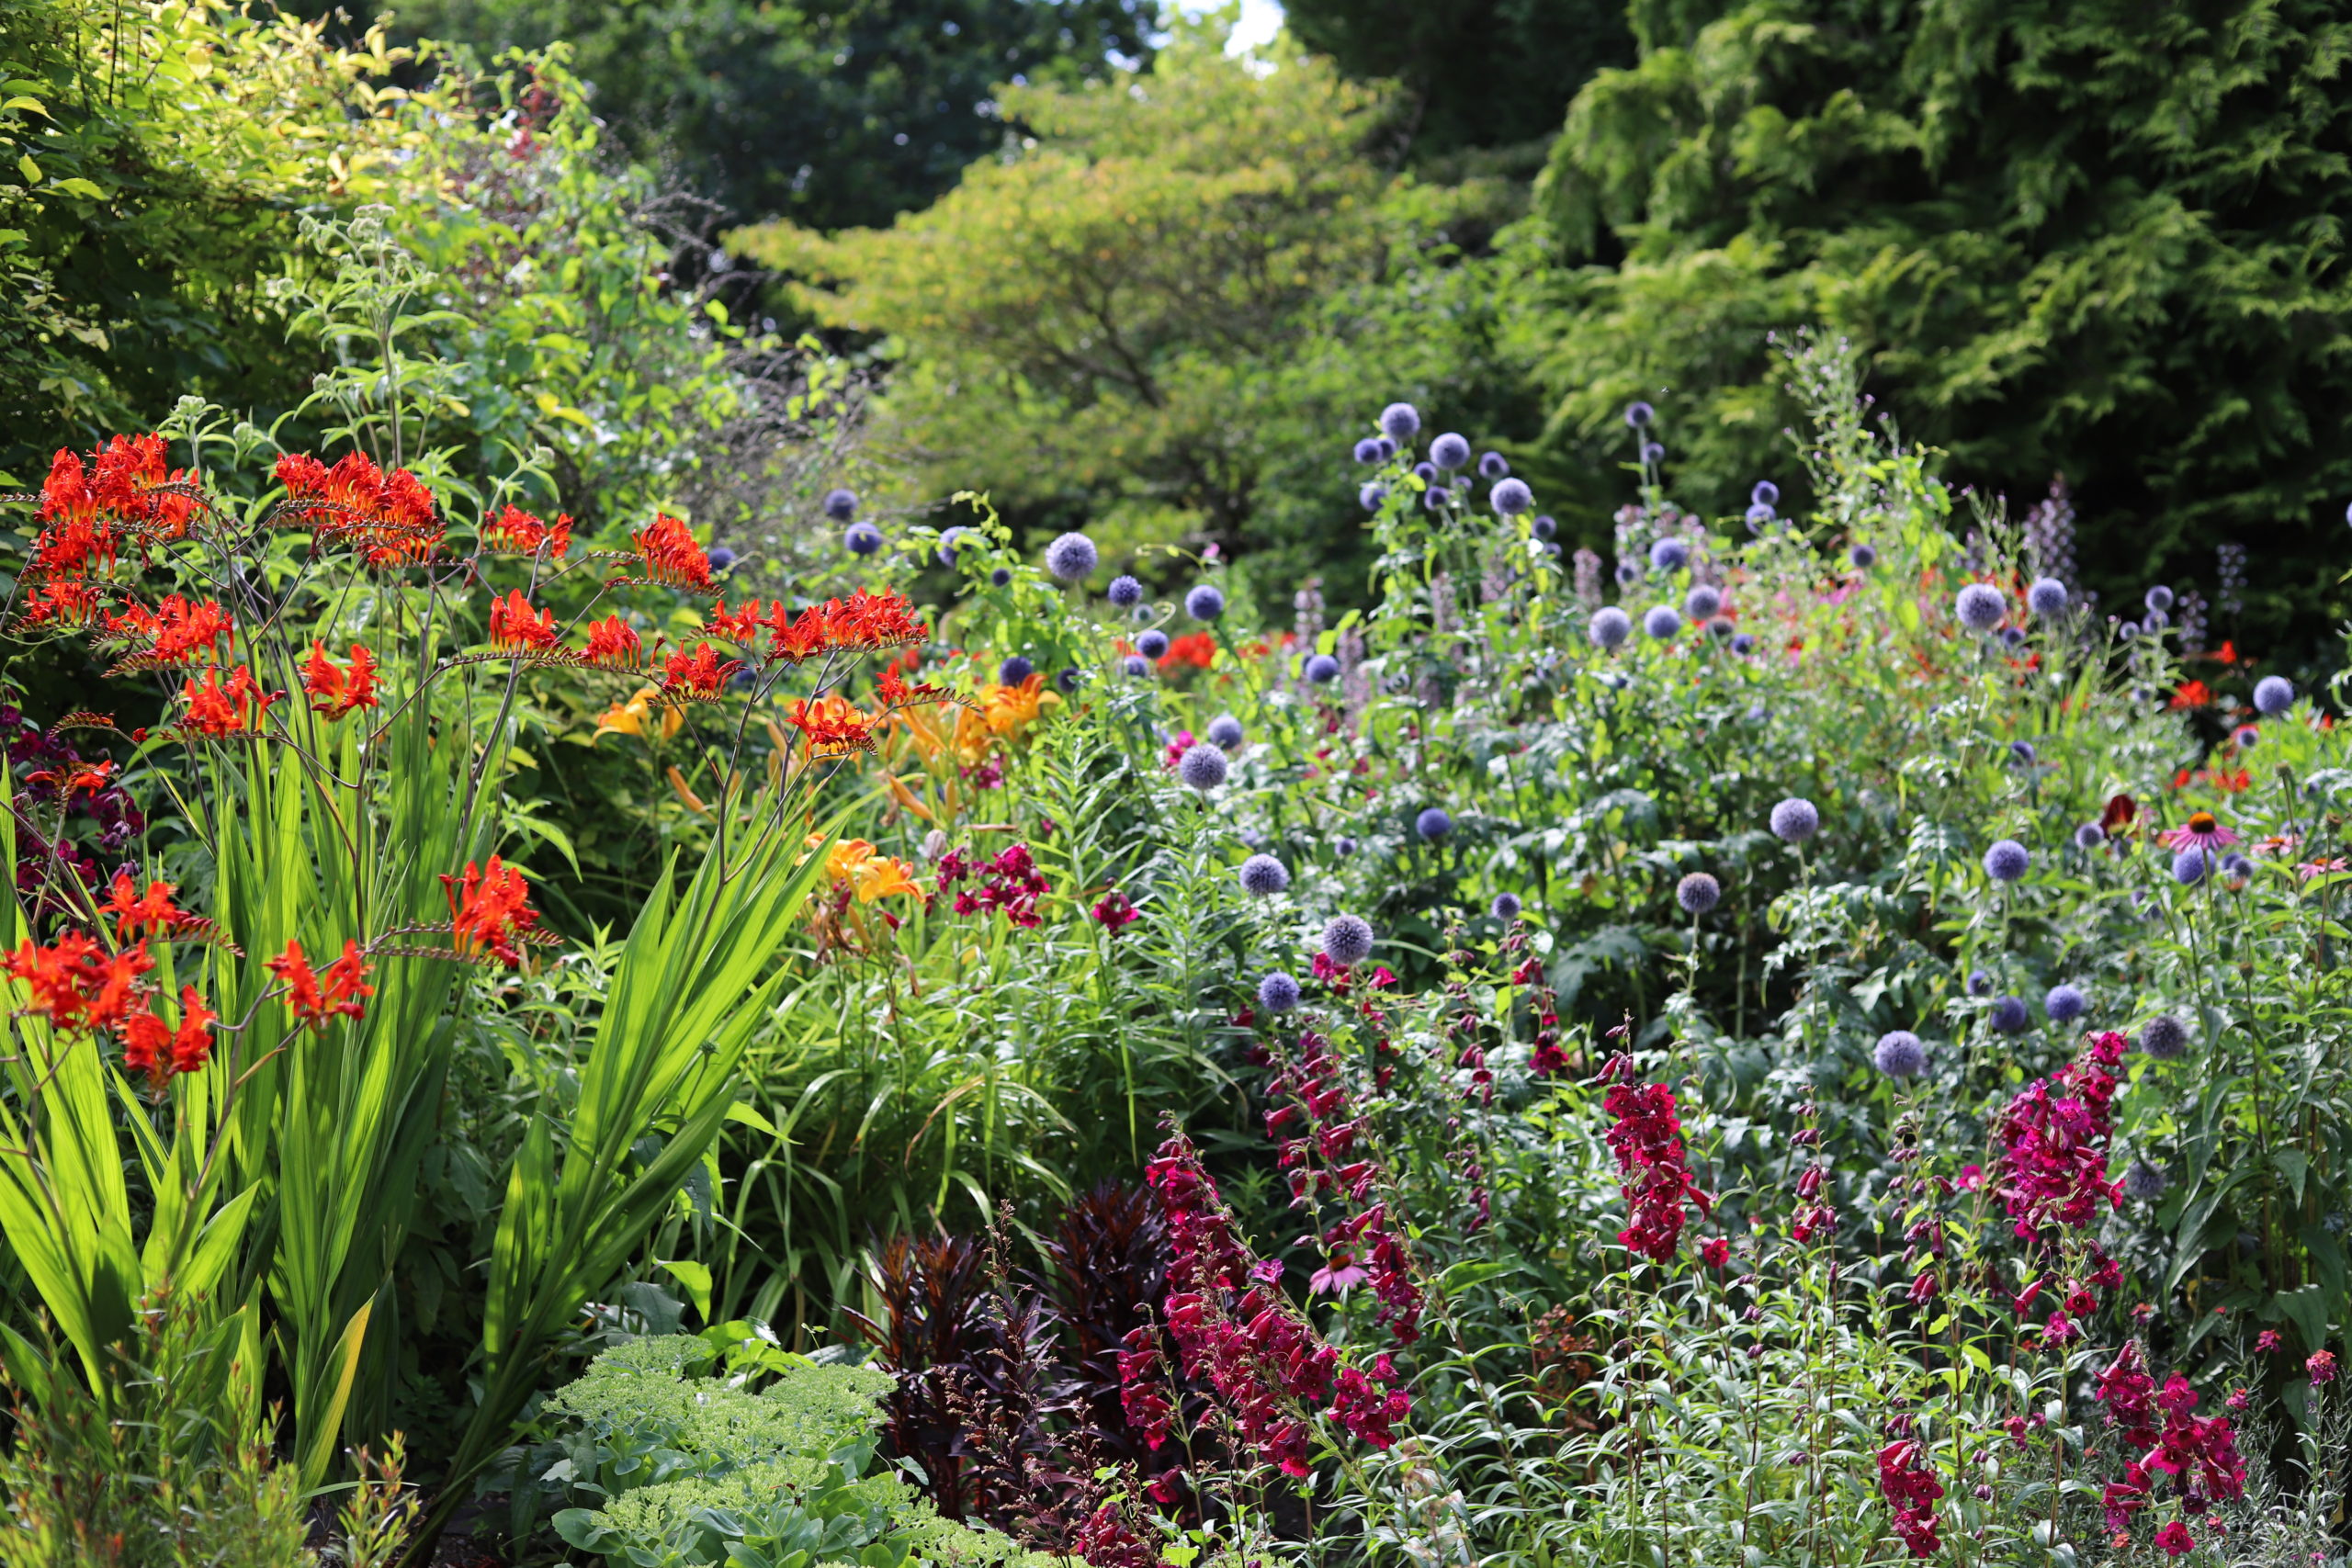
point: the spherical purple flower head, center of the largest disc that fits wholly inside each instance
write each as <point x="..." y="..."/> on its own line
<point x="1979" y="983"/>
<point x="2157" y="598"/>
<point x="2142" y="1182"/>
<point x="1206" y="603"/>
<point x="1434" y="823"/>
<point x="1609" y="627"/>
<point x="1638" y="415"/>
<point x="2047" y="598"/>
<point x="1435" y="498"/>
<point x="1321" y="668"/>
<point x="1152" y="644"/>
<point x="1371" y="496"/>
<point x="1698" y="893"/>
<point x="2013" y="637"/>
<point x="2065" y="1004"/>
<point x="1510" y="497"/>
<point x="1899" y="1054"/>
<point x="1506" y="907"/>
<point x="841" y="505"/>
<point x="1757" y="515"/>
<point x="1743" y="645"/>
<point x="1493" y="466"/>
<point x="1661" y="622"/>
<point x="1721" y="627"/>
<point x="1980" y="606"/>
<point x="1203" y="766"/>
<point x="2155" y="620"/>
<point x="1387" y="449"/>
<point x="1862" y="556"/>
<point x="1069" y="678"/>
<point x="1795" y="819"/>
<point x="2127" y="630"/>
<point x="1670" y="555"/>
<point x="1764" y="493"/>
<point x="1224" y="732"/>
<point x="2009" y="1016"/>
<point x="2246" y="737"/>
<point x="2236" y="866"/>
<point x="862" y="538"/>
<point x="1449" y="451"/>
<point x="2190" y="866"/>
<point x="1072" y="558"/>
<point x="2164" y="1037"/>
<point x="1278" y="992"/>
<point x="1543" y="528"/>
<point x="1702" y="601"/>
<point x="1263" y="877"/>
<point x="721" y="558"/>
<point x="1425" y="472"/>
<point x="2090" y="836"/>
<point x="1347" y="939"/>
<point x="1125" y="591"/>
<point x="1628" y="573"/>
<point x="2022" y="753"/>
<point x="2273" y="695"/>
<point x="1000" y="576"/>
<point x="1368" y="449"/>
<point x="1135" y="665"/>
<point x="1013" y="671"/>
<point x="1400" y="423"/>
<point x="1653" y="453"/>
<point x="2006" y="861"/>
<point x="1343" y="846"/>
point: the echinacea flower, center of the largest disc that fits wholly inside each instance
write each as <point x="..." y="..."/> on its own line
<point x="2202" y="831"/>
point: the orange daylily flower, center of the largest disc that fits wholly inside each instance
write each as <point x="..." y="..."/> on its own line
<point x="868" y="874"/>
<point x="629" y="718"/>
<point x="1004" y="709"/>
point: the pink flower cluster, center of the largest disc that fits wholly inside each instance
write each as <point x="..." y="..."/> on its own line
<point x="1647" y="1142"/>
<point x="1547" y="1058"/>
<point x="1912" y="1490"/>
<point x="1011" y="882"/>
<point x="2052" y="1165"/>
<point x="1265" y="1360"/>
<point x="2199" y="1455"/>
<point x="1316" y="1132"/>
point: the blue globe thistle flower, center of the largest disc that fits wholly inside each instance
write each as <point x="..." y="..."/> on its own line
<point x="1862" y="556"/>
<point x="841" y="505"/>
<point x="1764" y="493"/>
<point x="1670" y="555"/>
<point x="2155" y="620"/>
<point x="862" y="538"/>
<point x="1661" y="622"/>
<point x="1638" y="415"/>
<point x="2246" y="737"/>
<point x="1434" y="823"/>
<point x="2142" y="1182"/>
<point x="2164" y="1037"/>
<point x="1979" y="983"/>
<point x="1543" y="528"/>
<point x="721" y="558"/>
<point x="2013" y="637"/>
<point x="1628" y="573"/>
<point x="1795" y="819"/>
<point x="1609" y="627"/>
<point x="1981" y="606"/>
<point x="2090" y="836"/>
<point x="1899" y="1054"/>
<point x="1449" y="451"/>
<point x="1000" y="576"/>
<point x="1278" y="992"/>
<point x="1321" y="668"/>
<point x="1015" y="671"/>
<point x="1425" y="472"/>
<point x="2127" y="630"/>
<point x="1135" y="665"/>
<point x="1511" y="497"/>
<point x="1757" y="515"/>
<point x="1702" y="601"/>
<point x="2022" y="753"/>
<point x="1506" y="907"/>
<point x="2009" y="1016"/>
<point x="1072" y="558"/>
<point x="2047" y="598"/>
<point x="1225" y="732"/>
<point x="1653" y="453"/>
<point x="1743" y="644"/>
<point x="1387" y="449"/>
<point x="2190" y="866"/>
<point x="1125" y="591"/>
<point x="1698" y="893"/>
<point x="1152" y="644"/>
<point x="2273" y="695"/>
<point x="1435" y="498"/>
<point x="1069" y="678"/>
<point x="1205" y="603"/>
<point x="2065" y="1004"/>
<point x="1400" y="422"/>
<point x="2157" y="598"/>
<point x="1368" y="449"/>
<point x="1721" y="627"/>
<point x="1493" y="466"/>
<point x="1203" y="766"/>
<point x="2236" y="867"/>
<point x="1343" y="846"/>
<point x="1263" y="877"/>
<point x="950" y="543"/>
<point x="2006" y="861"/>
<point x="1371" y="496"/>
<point x="1347" y="939"/>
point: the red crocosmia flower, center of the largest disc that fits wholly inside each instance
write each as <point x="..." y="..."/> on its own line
<point x="61" y="603"/>
<point x="743" y="624"/>
<point x="76" y="983"/>
<point x="389" y="516"/>
<point x="220" y="711"/>
<point x="151" y="1047"/>
<point x="151" y="913"/>
<point x="176" y="631"/>
<point x="337" y="690"/>
<point x="668" y="553"/>
<point x="515" y="529"/>
<point x="318" y="1000"/>
<point x="833" y="726"/>
<point x="699" y="674"/>
<point x="84" y="508"/>
<point x="612" y="643"/>
<point x="514" y="624"/>
<point x="490" y="911"/>
<point x="2192" y="695"/>
<point x="1195" y="649"/>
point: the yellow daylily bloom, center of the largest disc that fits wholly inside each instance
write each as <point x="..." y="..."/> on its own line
<point x="629" y="718"/>
<point x="870" y="875"/>
<point x="1006" y="708"/>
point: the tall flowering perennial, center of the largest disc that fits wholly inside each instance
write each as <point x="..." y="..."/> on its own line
<point x="2199" y="1455"/>
<point x="1912" y="1490"/>
<point x="1009" y="881"/>
<point x="1655" y="1175"/>
<point x="2054" y="1137"/>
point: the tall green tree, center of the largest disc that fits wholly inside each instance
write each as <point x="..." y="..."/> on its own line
<point x="2100" y="238"/>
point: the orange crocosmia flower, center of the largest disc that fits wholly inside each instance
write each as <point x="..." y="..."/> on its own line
<point x="518" y="530"/>
<point x="151" y="913"/>
<point x="177" y="630"/>
<point x="107" y="1005"/>
<point x="669" y="554"/>
<point x="68" y="977"/>
<point x="831" y="724"/>
<point x="612" y="643"/>
<point x="64" y="601"/>
<point x="743" y="623"/>
<point x="235" y="709"/>
<point x="490" y="909"/>
<point x="147" y="1045"/>
<point x="892" y="688"/>
<point x="318" y="1000"/>
<point x="151" y="1047"/>
<point x="336" y="690"/>
<point x="2192" y="695"/>
<point x="514" y="624"/>
<point x="389" y="516"/>
<point x="701" y="673"/>
<point x="192" y="1041"/>
<point x="82" y="507"/>
<point x="862" y="623"/>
